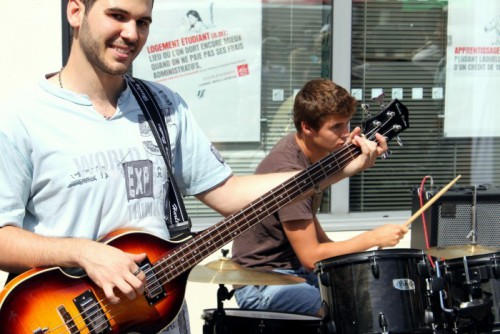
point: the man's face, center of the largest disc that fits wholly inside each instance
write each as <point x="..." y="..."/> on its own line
<point x="113" y="33"/>
<point x="331" y="136"/>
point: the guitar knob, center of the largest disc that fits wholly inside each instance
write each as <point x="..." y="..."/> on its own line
<point x="399" y="141"/>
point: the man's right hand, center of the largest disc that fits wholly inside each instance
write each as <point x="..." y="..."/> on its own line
<point x="113" y="270"/>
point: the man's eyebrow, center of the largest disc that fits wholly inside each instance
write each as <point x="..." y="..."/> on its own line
<point x="123" y="11"/>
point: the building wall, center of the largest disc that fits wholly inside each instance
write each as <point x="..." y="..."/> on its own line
<point x="31" y="42"/>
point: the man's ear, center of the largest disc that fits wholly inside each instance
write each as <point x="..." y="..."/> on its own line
<point x="75" y="12"/>
<point x="306" y="128"/>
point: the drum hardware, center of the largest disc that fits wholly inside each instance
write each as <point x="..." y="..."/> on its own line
<point x="453" y="252"/>
<point x="382" y="322"/>
<point x="472" y="234"/>
<point x="495" y="268"/>
<point x="439" y="286"/>
<point x="375" y="268"/>
<point x="472" y="293"/>
<point x="476" y="307"/>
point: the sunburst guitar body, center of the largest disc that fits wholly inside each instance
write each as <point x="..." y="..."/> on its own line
<point x="53" y="301"/>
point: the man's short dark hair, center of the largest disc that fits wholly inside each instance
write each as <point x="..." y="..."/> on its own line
<point x="319" y="100"/>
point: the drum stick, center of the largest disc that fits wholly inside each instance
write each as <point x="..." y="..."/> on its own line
<point x="431" y="201"/>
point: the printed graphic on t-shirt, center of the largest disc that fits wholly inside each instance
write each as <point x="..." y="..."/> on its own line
<point x="100" y="165"/>
<point x="138" y="179"/>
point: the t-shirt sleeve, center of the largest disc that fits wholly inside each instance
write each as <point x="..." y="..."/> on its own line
<point x="15" y="173"/>
<point x="198" y="165"/>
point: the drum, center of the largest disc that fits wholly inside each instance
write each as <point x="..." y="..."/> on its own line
<point x="253" y="321"/>
<point x="381" y="291"/>
<point x="472" y="286"/>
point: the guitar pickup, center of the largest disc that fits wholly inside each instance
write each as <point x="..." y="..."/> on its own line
<point x="153" y="289"/>
<point x="92" y="313"/>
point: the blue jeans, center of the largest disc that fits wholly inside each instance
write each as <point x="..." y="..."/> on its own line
<point x="295" y="298"/>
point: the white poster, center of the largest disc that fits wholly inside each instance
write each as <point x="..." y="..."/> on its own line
<point x="210" y="53"/>
<point x="473" y="69"/>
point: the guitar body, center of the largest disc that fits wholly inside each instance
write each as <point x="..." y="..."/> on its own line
<point x="43" y="300"/>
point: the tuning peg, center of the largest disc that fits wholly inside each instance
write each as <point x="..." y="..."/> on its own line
<point x="380" y="100"/>
<point x="386" y="154"/>
<point x="366" y="109"/>
<point x="399" y="141"/>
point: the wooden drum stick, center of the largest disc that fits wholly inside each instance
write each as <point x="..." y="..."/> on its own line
<point x="431" y="201"/>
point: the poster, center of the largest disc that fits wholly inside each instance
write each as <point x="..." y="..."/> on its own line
<point x="472" y="69"/>
<point x="210" y="53"/>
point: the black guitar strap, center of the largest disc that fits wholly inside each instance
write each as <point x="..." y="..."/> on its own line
<point x="177" y="220"/>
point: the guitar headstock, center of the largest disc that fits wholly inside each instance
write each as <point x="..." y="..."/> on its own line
<point x="390" y="122"/>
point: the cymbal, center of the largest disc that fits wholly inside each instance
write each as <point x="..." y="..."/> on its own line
<point x="225" y="271"/>
<point x="452" y="252"/>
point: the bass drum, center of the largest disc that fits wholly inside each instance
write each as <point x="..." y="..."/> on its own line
<point x="473" y="292"/>
<point x="240" y="321"/>
<point x="381" y="291"/>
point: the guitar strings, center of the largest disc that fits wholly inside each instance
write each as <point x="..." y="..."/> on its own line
<point x="90" y="319"/>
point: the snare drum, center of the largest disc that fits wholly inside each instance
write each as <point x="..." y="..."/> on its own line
<point x="473" y="291"/>
<point x="381" y="291"/>
<point x="254" y="321"/>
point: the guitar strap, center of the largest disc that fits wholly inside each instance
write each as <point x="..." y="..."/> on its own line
<point x="178" y="222"/>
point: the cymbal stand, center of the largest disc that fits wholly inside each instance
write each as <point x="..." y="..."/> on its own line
<point x="473" y="233"/>
<point x="219" y="315"/>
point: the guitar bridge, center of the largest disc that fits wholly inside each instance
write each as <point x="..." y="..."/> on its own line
<point x="92" y="313"/>
<point x="68" y="321"/>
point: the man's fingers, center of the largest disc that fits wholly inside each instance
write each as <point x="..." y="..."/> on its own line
<point x="110" y="294"/>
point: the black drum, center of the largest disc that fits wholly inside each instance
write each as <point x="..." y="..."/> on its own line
<point x="472" y="286"/>
<point x="251" y="321"/>
<point x="381" y="291"/>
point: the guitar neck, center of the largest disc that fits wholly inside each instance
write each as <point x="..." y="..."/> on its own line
<point x="213" y="238"/>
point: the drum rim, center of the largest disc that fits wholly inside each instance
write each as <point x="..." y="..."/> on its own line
<point x="367" y="255"/>
<point x="293" y="316"/>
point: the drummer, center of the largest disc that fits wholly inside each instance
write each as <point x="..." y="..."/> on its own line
<point x="292" y="240"/>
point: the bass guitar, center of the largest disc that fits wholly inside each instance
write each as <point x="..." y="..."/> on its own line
<point x="55" y="300"/>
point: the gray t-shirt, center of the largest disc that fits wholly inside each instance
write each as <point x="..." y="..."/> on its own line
<point x="265" y="246"/>
<point x="67" y="171"/>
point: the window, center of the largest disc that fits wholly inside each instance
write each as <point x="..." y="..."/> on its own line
<point x="400" y="47"/>
<point x="296" y="47"/>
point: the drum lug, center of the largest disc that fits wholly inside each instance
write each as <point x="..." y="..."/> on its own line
<point x="325" y="279"/>
<point x="495" y="268"/>
<point x="496" y="271"/>
<point x="423" y="270"/>
<point x="375" y="268"/>
<point x="382" y="321"/>
<point x="429" y="317"/>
